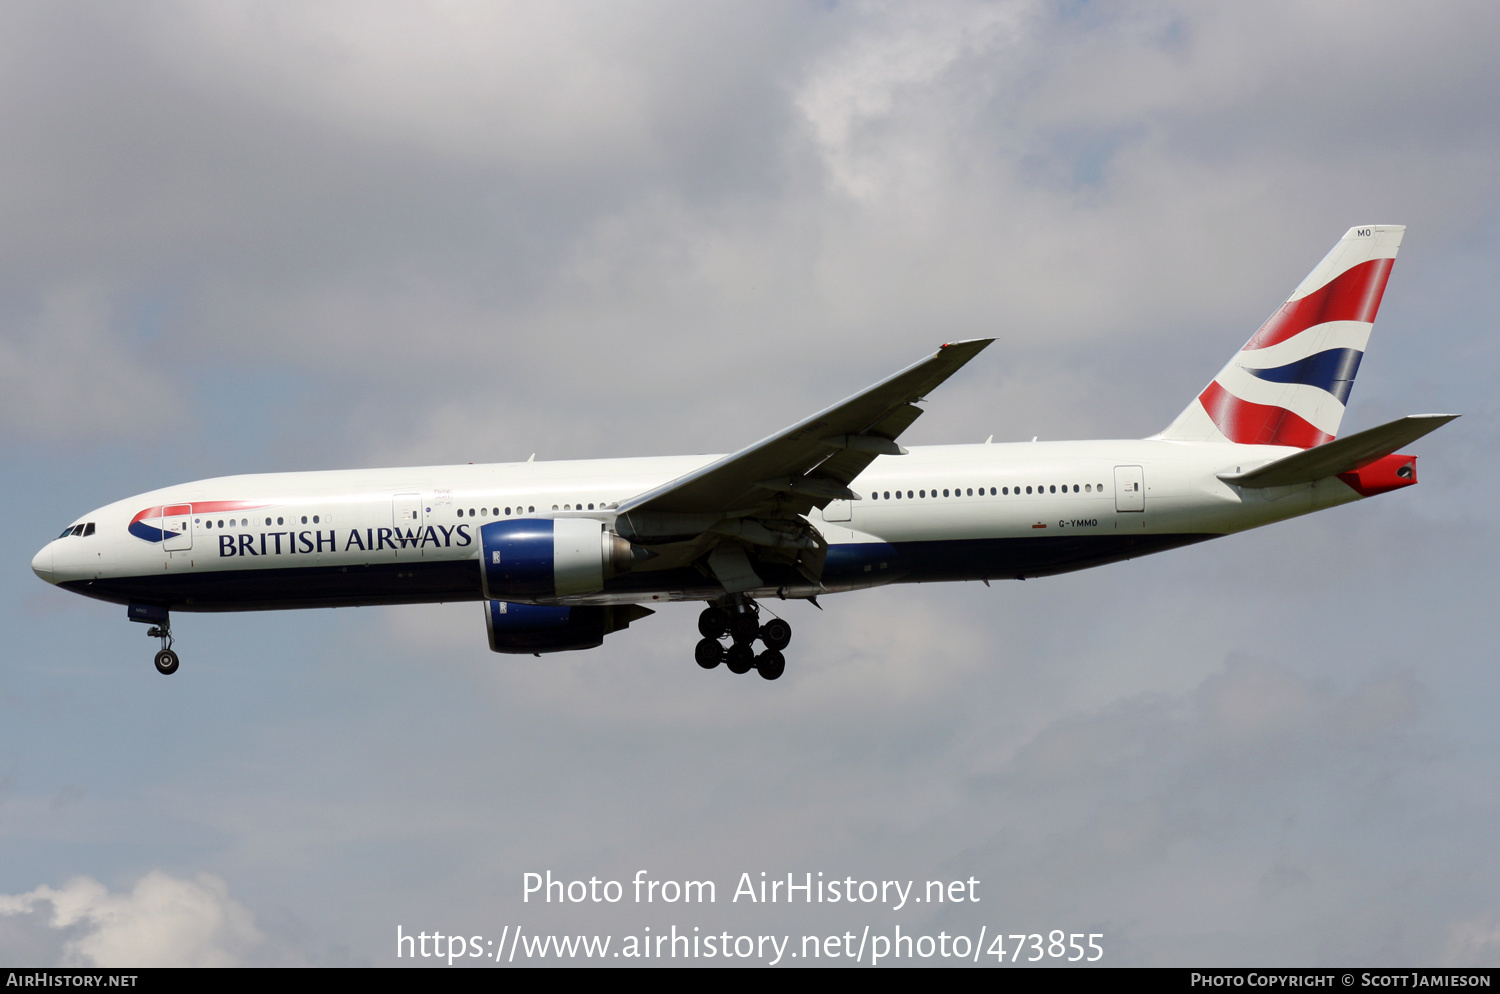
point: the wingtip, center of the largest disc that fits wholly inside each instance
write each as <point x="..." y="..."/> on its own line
<point x="976" y="344"/>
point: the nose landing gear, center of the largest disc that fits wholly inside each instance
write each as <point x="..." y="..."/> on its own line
<point x="166" y="659"/>
<point x="160" y="621"/>
<point x="742" y="624"/>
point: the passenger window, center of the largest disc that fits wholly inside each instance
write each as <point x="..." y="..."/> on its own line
<point x="315" y="519"/>
<point x="304" y="519"/>
<point x="945" y="493"/>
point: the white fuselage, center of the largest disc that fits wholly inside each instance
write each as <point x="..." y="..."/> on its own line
<point x="974" y="512"/>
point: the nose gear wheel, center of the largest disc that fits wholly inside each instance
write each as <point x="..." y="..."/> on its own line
<point x="166" y="660"/>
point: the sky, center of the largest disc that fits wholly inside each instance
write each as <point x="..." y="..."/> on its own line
<point x="248" y="237"/>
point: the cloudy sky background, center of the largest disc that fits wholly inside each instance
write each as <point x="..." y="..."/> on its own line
<point x="248" y="237"/>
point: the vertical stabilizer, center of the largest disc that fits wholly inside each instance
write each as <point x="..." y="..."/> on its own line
<point x="1289" y="384"/>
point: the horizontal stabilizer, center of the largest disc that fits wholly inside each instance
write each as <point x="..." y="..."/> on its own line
<point x="1340" y="456"/>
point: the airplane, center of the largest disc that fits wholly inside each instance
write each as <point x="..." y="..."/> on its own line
<point x="562" y="554"/>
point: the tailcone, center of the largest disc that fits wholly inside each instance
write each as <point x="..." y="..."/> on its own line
<point x="1385" y="474"/>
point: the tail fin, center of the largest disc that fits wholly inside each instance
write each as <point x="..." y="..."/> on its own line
<point x="1289" y="384"/>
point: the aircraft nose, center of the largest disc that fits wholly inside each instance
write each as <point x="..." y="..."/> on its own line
<point x="41" y="563"/>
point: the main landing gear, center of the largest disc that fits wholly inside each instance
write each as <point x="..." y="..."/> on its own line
<point x="741" y="622"/>
<point x="166" y="659"/>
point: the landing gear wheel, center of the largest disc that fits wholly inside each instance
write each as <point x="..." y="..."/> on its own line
<point x="771" y="664"/>
<point x="709" y="653"/>
<point x="166" y="659"/>
<point x="740" y="657"/>
<point x="745" y="627"/>
<point x="776" y="634"/>
<point x="713" y="622"/>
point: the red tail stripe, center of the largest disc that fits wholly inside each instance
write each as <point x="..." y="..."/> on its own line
<point x="1258" y="424"/>
<point x="1353" y="295"/>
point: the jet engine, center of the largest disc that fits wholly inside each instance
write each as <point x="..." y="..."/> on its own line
<point x="540" y="558"/>
<point x="538" y="628"/>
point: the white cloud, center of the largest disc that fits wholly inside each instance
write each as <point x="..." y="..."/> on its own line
<point x="162" y="921"/>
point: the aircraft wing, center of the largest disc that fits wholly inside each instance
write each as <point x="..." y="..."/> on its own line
<point x="813" y="461"/>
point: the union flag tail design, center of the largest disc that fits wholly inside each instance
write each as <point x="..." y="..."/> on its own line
<point x="1289" y="384"/>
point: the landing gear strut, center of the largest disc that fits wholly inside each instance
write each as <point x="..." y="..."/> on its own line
<point x="166" y="659"/>
<point x="741" y="622"/>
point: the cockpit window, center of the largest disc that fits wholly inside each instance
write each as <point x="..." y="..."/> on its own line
<point x="66" y="532"/>
<point x="88" y="529"/>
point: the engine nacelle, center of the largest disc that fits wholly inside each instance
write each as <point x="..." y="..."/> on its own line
<point x="538" y="558"/>
<point x="536" y="628"/>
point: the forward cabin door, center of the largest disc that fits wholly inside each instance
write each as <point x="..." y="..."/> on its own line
<point x="409" y="520"/>
<point x="177" y="528"/>
<point x="1130" y="488"/>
